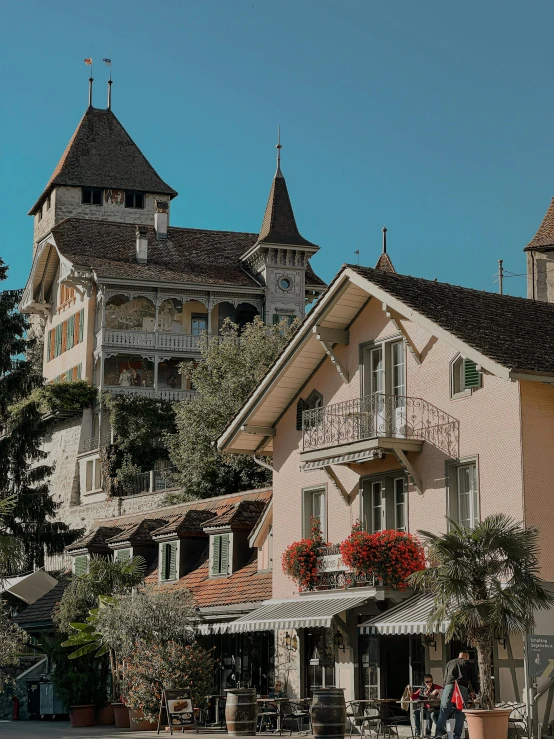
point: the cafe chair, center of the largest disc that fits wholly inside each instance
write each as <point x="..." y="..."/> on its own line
<point x="390" y="720"/>
<point x="362" y="717"/>
<point x="517" y="721"/>
<point x="298" y="713"/>
<point x="267" y="722"/>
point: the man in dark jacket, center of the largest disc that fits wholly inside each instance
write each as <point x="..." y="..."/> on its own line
<point x="463" y="672"/>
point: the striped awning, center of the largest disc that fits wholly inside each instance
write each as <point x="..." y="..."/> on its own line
<point x="292" y="613"/>
<point x="409" y="617"/>
<point x="351" y="458"/>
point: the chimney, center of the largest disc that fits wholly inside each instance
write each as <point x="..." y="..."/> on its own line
<point x="161" y="218"/>
<point x="142" y="244"/>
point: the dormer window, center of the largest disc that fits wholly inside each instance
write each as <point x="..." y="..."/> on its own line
<point x="464" y="377"/>
<point x="80" y="565"/>
<point x="169" y="551"/>
<point x="122" y="555"/>
<point x="91" y="195"/>
<point x="134" y="199"/>
<point x="220" y="555"/>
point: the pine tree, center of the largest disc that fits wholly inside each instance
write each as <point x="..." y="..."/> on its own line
<point x="23" y="474"/>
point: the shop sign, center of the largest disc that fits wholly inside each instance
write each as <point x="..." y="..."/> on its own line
<point x="178" y="707"/>
<point x="332" y="563"/>
<point x="540" y="655"/>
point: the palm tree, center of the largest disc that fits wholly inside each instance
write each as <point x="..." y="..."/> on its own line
<point x="486" y="585"/>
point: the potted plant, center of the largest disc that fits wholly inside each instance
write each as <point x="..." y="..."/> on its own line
<point x="299" y="559"/>
<point x="485" y="585"/>
<point x="390" y="556"/>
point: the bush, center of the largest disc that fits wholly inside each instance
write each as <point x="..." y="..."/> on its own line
<point x="153" y="668"/>
<point x="78" y="682"/>
<point x="59" y="397"/>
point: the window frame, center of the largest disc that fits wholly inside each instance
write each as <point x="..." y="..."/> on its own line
<point x="198" y="317"/>
<point x="95" y="477"/>
<point x="92" y="191"/>
<point x="220" y="573"/>
<point x="307" y="510"/>
<point x="388" y="508"/>
<point x="453" y="492"/>
<point x="85" y="556"/>
<point x="133" y="194"/>
<point x="458" y="360"/>
<point x="118" y="552"/>
<point x="173" y="544"/>
<point x="384" y="372"/>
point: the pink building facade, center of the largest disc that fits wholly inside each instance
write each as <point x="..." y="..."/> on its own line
<point x="401" y="403"/>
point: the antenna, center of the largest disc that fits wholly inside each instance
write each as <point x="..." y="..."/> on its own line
<point x="357" y="252"/>
<point x="500" y="276"/>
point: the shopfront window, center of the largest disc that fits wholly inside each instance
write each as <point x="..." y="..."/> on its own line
<point x="369" y="667"/>
<point x="319" y="659"/>
<point x="242" y="660"/>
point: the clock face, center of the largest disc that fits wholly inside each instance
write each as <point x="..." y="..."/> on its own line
<point x="285" y="283"/>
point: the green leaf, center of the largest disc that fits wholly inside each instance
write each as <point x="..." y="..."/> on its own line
<point x="104" y="649"/>
<point x="78" y="626"/>
<point x="84" y="650"/>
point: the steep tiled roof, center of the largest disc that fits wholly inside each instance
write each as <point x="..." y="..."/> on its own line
<point x="242" y="515"/>
<point x="40" y="612"/>
<point x="192" y="521"/>
<point x="279" y="224"/>
<point x="514" y="332"/>
<point x="102" y="154"/>
<point x="544" y="237"/>
<point x="137" y="532"/>
<point x="384" y="263"/>
<point x="96" y="540"/>
<point x="246" y="585"/>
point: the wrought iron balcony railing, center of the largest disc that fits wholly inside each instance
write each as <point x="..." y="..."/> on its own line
<point x="332" y="574"/>
<point x="154" y="481"/>
<point x="380" y="415"/>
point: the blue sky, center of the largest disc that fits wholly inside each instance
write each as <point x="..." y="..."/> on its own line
<point x="432" y="117"/>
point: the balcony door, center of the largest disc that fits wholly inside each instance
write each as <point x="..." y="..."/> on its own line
<point x="384" y="388"/>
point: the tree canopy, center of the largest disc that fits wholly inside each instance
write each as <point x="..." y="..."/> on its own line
<point x="232" y="366"/>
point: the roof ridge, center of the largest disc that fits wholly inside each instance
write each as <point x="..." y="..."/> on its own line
<point x="133" y="226"/>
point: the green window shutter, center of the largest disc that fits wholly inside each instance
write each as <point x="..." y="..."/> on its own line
<point x="224" y="569"/>
<point x="49" y="345"/>
<point x="123" y="555"/>
<point x="81" y="321"/>
<point x="172" y="560"/>
<point x="70" y="331"/>
<point x="299" y="411"/>
<point x="472" y="376"/>
<point x="78" y="371"/>
<point x="81" y="565"/>
<point x="163" y="557"/>
<point x="216" y="548"/>
<point x="58" y="340"/>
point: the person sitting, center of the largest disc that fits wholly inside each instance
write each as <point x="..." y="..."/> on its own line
<point x="269" y="712"/>
<point x="277" y="691"/>
<point x="430" y="714"/>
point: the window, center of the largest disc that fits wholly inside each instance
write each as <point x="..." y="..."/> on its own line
<point x="91" y="195"/>
<point x="278" y="317"/>
<point x="67" y="294"/>
<point x="220" y="554"/>
<point x="168" y="557"/>
<point x="80" y="565"/>
<point x="384" y="502"/>
<point x="315" y="510"/>
<point x="199" y="324"/>
<point x="464" y="377"/>
<point x="463" y="494"/>
<point x="313" y="401"/>
<point x="122" y="555"/>
<point x="48" y="202"/>
<point x="93" y="474"/>
<point x="285" y="283"/>
<point x="134" y="199"/>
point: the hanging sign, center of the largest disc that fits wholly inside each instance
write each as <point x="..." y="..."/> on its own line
<point x="179" y="709"/>
<point x="540" y="655"/>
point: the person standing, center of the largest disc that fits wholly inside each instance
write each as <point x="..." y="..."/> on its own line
<point x="430" y="714"/>
<point x="462" y="672"/>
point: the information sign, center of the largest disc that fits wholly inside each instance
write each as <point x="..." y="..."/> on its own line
<point x="179" y="709"/>
<point x="540" y="655"/>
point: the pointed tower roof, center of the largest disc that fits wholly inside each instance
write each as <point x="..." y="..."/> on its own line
<point x="102" y="154"/>
<point x="384" y="262"/>
<point x="279" y="224"/>
<point x="544" y="238"/>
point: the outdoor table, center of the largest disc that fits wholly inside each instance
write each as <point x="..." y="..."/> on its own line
<point x="277" y="713"/>
<point x="217" y="699"/>
<point x="433" y="702"/>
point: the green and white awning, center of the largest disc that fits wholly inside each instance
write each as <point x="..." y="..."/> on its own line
<point x="409" y="617"/>
<point x="292" y="613"/>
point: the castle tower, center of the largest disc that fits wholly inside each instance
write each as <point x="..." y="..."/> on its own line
<point x="540" y="260"/>
<point x="280" y="256"/>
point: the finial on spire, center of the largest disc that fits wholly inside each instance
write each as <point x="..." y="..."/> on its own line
<point x="278" y="147"/>
<point x="90" y="81"/>
<point x="110" y="83"/>
<point x="384" y="239"/>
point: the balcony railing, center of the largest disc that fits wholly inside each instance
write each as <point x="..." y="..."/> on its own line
<point x="90" y="445"/>
<point x="380" y="415"/>
<point x="332" y="574"/>
<point x="152" y="392"/>
<point x="147" y="340"/>
<point x="155" y="481"/>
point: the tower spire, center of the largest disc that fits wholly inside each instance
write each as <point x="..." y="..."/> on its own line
<point x="384" y="262"/>
<point x="90" y="81"/>
<point x="110" y="83"/>
<point x="384" y="239"/>
<point x="278" y="173"/>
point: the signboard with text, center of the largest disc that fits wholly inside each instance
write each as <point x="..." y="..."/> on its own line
<point x="540" y="655"/>
<point x="331" y="563"/>
<point x="179" y="709"/>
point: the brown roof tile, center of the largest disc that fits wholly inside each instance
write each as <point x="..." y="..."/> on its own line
<point x="384" y="263"/>
<point x="137" y="532"/>
<point x="242" y="515"/>
<point x="279" y="224"/>
<point x="96" y="540"/>
<point x="514" y="332"/>
<point x="190" y="522"/>
<point x="102" y="154"/>
<point x="544" y="238"/>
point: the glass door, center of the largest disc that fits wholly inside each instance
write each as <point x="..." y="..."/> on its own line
<point x="319" y="659"/>
<point x="398" y="389"/>
<point x="369" y="667"/>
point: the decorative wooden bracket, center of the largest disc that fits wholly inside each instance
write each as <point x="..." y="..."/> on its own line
<point x="397" y="321"/>
<point x="408" y="465"/>
<point x="329" y="336"/>
<point x="329" y="471"/>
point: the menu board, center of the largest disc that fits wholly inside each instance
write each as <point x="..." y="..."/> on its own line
<point x="179" y="709"/>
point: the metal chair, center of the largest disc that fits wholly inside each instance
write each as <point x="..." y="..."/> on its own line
<point x="267" y="720"/>
<point x="296" y="712"/>
<point x="360" y="715"/>
<point x="390" y="721"/>
<point x="517" y="719"/>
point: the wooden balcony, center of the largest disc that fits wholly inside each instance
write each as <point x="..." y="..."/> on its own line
<point x="152" y="392"/>
<point x="156" y="340"/>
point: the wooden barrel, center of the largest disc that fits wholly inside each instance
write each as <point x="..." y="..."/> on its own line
<point x="241" y="711"/>
<point x="328" y="713"/>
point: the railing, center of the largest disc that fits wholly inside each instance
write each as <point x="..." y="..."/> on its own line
<point x="333" y="575"/>
<point x="90" y="445"/>
<point x="147" y="340"/>
<point x="154" y="481"/>
<point x="380" y="415"/>
<point x="151" y="392"/>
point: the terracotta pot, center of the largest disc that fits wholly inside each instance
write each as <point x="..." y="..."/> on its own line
<point x="488" y="724"/>
<point x="81" y="716"/>
<point x="121" y="715"/>
<point x="105" y="716"/>
<point x="137" y="722"/>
